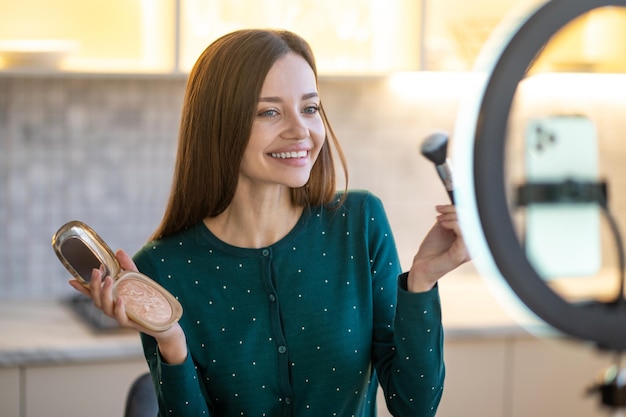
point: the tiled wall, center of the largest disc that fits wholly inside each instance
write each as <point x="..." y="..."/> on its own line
<point x="101" y="149"/>
<point x="96" y="150"/>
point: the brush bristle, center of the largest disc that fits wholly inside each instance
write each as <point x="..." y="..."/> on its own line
<point x="435" y="147"/>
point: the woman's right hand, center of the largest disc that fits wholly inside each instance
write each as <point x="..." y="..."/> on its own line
<point x="172" y="342"/>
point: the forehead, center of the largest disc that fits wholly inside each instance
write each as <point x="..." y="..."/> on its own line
<point x="290" y="72"/>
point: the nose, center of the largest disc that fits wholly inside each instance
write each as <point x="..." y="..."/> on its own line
<point x="295" y="126"/>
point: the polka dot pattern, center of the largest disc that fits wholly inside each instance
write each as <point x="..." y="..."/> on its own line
<point x="292" y="329"/>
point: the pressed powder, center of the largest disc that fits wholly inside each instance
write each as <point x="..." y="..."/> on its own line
<point x="144" y="301"/>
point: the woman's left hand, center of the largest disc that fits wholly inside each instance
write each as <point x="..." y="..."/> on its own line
<point x="441" y="251"/>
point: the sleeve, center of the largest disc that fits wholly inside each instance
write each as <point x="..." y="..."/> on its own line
<point x="407" y="350"/>
<point x="178" y="388"/>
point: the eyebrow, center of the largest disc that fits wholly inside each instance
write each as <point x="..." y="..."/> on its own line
<point x="278" y="99"/>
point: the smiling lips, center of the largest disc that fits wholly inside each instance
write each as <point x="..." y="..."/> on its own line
<point x="289" y="155"/>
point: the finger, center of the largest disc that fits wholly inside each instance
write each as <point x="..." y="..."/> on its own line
<point x="126" y="262"/>
<point x="106" y="296"/>
<point x="448" y="216"/>
<point x="448" y="221"/>
<point x="80" y="287"/>
<point x="122" y="317"/>
<point x="452" y="225"/>
<point x="95" y="286"/>
<point x="445" y="208"/>
<point x="120" y="313"/>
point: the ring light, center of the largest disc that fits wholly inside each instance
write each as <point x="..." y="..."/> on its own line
<point x="481" y="198"/>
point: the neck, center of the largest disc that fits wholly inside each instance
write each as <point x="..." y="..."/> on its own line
<point x="255" y="221"/>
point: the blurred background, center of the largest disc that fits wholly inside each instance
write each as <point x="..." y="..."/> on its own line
<point x="90" y="100"/>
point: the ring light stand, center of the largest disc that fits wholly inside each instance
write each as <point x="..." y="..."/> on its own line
<point x="481" y="197"/>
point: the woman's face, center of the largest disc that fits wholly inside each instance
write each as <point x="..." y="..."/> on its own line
<point x="288" y="131"/>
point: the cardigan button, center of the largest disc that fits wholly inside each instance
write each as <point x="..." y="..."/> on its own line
<point x="272" y="297"/>
<point x="265" y="252"/>
<point x="282" y="349"/>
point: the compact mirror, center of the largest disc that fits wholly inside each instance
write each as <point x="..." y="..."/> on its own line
<point x="79" y="257"/>
<point x="81" y="250"/>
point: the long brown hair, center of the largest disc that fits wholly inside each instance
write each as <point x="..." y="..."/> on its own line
<point x="220" y="102"/>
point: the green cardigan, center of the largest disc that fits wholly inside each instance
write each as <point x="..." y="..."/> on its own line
<point x="305" y="327"/>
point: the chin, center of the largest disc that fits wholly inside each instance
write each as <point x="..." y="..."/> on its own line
<point x="297" y="183"/>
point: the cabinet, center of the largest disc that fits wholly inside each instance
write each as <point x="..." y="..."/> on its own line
<point x="550" y="378"/>
<point x="521" y="377"/>
<point x="476" y="378"/>
<point x="98" y="389"/>
<point x="10" y="392"/>
<point x="163" y="36"/>
<point x="455" y="31"/>
<point x="95" y="36"/>
<point x="350" y="37"/>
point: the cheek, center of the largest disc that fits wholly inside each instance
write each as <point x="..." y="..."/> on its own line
<point x="318" y="134"/>
<point x="250" y="158"/>
<point x="256" y="144"/>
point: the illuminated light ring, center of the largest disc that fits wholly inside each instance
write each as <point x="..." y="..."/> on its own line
<point x="481" y="198"/>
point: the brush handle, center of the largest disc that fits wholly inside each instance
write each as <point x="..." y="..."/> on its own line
<point x="445" y="173"/>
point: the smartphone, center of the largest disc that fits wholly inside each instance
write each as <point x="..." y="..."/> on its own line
<point x="562" y="239"/>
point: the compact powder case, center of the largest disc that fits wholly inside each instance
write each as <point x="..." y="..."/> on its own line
<point x="80" y="250"/>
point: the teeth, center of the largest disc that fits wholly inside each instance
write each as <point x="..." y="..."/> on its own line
<point x="287" y="155"/>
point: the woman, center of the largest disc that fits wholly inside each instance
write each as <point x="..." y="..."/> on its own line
<point x="294" y="302"/>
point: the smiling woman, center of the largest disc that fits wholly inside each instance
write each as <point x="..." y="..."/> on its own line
<point x="293" y="294"/>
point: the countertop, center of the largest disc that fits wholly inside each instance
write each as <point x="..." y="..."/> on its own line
<point x="43" y="332"/>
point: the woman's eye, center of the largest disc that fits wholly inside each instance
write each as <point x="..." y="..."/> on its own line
<point x="311" y="109"/>
<point x="268" y="113"/>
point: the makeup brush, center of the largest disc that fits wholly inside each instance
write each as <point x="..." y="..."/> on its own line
<point x="435" y="149"/>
